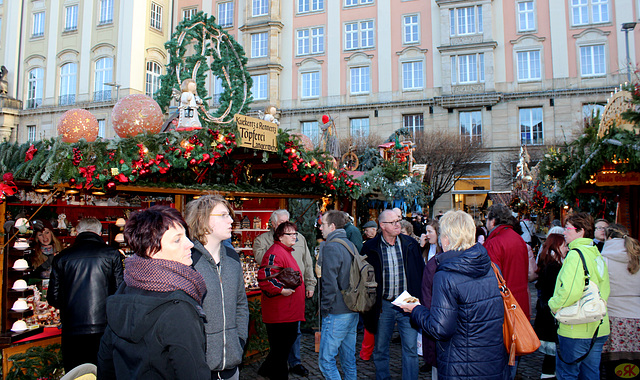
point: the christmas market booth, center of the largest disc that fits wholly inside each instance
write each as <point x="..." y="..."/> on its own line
<point x="155" y="160"/>
<point x="599" y="172"/>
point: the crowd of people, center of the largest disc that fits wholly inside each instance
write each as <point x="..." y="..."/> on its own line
<point x="178" y="309"/>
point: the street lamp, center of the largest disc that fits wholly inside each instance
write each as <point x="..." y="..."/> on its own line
<point x="626" y="27"/>
<point x="117" y="86"/>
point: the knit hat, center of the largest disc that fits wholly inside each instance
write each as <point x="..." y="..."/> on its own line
<point x="370" y="223"/>
<point x="40" y="224"/>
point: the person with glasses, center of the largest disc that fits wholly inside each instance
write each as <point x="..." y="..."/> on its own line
<point x="398" y="264"/>
<point x="578" y="340"/>
<point x="210" y="220"/>
<point x="282" y="307"/>
<point x="302" y="255"/>
<point x="599" y="234"/>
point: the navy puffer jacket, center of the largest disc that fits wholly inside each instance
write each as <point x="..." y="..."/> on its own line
<point x="466" y="317"/>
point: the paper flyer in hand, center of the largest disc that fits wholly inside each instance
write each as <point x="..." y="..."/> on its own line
<point x="405" y="299"/>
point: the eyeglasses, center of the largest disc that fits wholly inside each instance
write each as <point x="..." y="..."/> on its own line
<point x="291" y="233"/>
<point x="223" y="215"/>
<point x="394" y="222"/>
<point x="600" y="228"/>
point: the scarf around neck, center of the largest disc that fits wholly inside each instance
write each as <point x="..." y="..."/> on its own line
<point x="159" y="275"/>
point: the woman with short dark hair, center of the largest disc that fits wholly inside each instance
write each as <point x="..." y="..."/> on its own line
<point x="282" y="307"/>
<point x="160" y="291"/>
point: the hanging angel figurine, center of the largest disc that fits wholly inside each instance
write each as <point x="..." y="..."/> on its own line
<point x="188" y="119"/>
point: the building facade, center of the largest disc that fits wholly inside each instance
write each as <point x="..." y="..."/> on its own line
<point x="503" y="72"/>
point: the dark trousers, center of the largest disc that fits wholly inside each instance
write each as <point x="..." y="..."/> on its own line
<point x="79" y="349"/>
<point x="281" y="337"/>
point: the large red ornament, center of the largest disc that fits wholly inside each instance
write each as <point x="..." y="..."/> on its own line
<point x="136" y="114"/>
<point x="305" y="140"/>
<point x="76" y="124"/>
<point x="325" y="119"/>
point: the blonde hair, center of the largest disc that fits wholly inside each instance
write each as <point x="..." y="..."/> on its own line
<point x="631" y="245"/>
<point x="197" y="214"/>
<point x="459" y="228"/>
<point x="184" y="87"/>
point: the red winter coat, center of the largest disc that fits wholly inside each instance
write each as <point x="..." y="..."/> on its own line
<point x="508" y="250"/>
<point x="277" y="308"/>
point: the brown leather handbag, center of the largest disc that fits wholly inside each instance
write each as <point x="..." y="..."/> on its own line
<point x="289" y="277"/>
<point x="519" y="336"/>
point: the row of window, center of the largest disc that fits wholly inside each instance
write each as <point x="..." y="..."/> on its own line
<point x="102" y="83"/>
<point x="105" y="16"/>
<point x="32" y="131"/>
<point x="470" y="122"/>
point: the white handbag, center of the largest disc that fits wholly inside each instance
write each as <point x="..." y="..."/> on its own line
<point x="589" y="308"/>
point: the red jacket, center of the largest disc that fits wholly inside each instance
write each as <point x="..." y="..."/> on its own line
<point x="508" y="250"/>
<point x="277" y="308"/>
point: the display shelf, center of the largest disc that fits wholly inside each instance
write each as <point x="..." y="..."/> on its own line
<point x="253" y="211"/>
<point x="10" y="337"/>
<point x="244" y="249"/>
<point x="67" y="205"/>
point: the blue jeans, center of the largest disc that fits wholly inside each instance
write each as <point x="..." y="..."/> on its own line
<point x="294" y="354"/>
<point x="571" y="349"/>
<point x="338" y="338"/>
<point x="408" y="336"/>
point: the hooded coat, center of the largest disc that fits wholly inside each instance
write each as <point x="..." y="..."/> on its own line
<point x="466" y="317"/>
<point x="153" y="335"/>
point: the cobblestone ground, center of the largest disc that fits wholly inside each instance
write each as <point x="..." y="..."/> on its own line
<point x="528" y="369"/>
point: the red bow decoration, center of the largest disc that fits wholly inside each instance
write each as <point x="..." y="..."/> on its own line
<point x="8" y="187"/>
<point x="30" y="152"/>
<point x="87" y="172"/>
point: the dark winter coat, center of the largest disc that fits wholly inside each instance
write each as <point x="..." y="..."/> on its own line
<point x="354" y="235"/>
<point x="428" y="344"/>
<point x="545" y="324"/>
<point x="335" y="261"/>
<point x="82" y="277"/>
<point x="413" y="268"/>
<point x="466" y="317"/>
<point x="153" y="335"/>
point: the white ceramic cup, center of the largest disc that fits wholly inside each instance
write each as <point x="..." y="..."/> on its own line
<point x="21" y="264"/>
<point x="20" y="305"/>
<point x="20" y="285"/>
<point x="19" y="326"/>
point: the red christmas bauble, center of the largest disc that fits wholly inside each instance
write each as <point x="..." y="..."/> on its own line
<point x="136" y="114"/>
<point x="325" y="119"/>
<point x="77" y="124"/>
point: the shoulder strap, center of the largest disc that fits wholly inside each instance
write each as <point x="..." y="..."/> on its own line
<point x="584" y="266"/>
<point x="271" y="267"/>
<point x="341" y="241"/>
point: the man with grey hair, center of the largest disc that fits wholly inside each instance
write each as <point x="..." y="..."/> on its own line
<point x="82" y="277"/>
<point x="303" y="258"/>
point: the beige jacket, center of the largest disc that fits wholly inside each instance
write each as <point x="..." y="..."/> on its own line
<point x="300" y="253"/>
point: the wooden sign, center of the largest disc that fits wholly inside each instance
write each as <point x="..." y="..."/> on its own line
<point x="618" y="179"/>
<point x="257" y="133"/>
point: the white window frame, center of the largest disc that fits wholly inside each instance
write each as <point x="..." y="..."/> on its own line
<point x="106" y="12"/>
<point x="152" y="78"/>
<point x="225" y="14"/>
<point x="218" y="89"/>
<point x="38" y="24"/>
<point x="308" y="6"/>
<point x="259" y="44"/>
<point x="359" y="128"/>
<point x="411" y="29"/>
<point x="32" y="132"/>
<point x="310" y="41"/>
<point x="535" y="134"/>
<point x="529" y="65"/>
<point x="68" y="80"/>
<point x="591" y="62"/>
<point x="412" y="75"/>
<point x="103" y="74"/>
<point x="71" y="18"/>
<point x="465" y="21"/>
<point x="526" y="16"/>
<point x="464" y="61"/>
<point x="355" y="3"/>
<point x="259" y="8"/>
<point x="102" y="127"/>
<point x="585" y="12"/>
<point x="187" y="13"/>
<point x="360" y="80"/>
<point x="471" y="125"/>
<point x="311" y="129"/>
<point x="414" y="123"/>
<point x="262" y="90"/>
<point x="359" y="35"/>
<point x="156" y="16"/>
<point x="35" y="87"/>
<point x="310" y="84"/>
